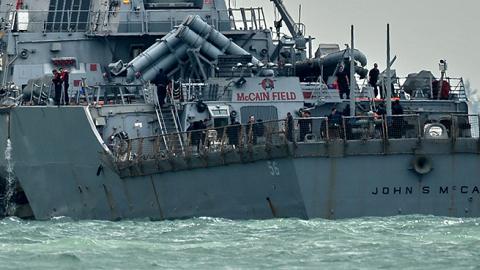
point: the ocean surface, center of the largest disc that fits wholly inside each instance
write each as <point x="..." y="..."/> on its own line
<point x="407" y="242"/>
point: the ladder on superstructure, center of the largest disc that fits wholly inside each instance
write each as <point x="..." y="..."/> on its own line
<point x="168" y="122"/>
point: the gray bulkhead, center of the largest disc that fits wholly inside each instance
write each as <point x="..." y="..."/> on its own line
<point x="63" y="172"/>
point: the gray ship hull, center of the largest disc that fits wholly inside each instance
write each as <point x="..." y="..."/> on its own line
<point x="59" y="161"/>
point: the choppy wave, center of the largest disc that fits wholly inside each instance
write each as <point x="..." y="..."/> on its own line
<point x="407" y="242"/>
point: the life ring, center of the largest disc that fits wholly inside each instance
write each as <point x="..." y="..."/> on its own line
<point x="435" y="131"/>
<point x="422" y="164"/>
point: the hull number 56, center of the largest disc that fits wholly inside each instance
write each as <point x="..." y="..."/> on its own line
<point x="273" y="167"/>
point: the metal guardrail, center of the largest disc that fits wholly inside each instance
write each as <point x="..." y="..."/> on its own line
<point x="363" y="128"/>
<point x="247" y="18"/>
<point x="467" y="126"/>
<point x="403" y="126"/>
<point x="136" y="21"/>
<point x="283" y="132"/>
<point x="461" y="126"/>
<point x="199" y="142"/>
<point x="425" y="90"/>
<point x="49" y="21"/>
<point x="317" y="91"/>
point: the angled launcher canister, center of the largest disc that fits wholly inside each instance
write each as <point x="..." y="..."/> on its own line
<point x="160" y="49"/>
<point x="203" y="29"/>
<point x="167" y="52"/>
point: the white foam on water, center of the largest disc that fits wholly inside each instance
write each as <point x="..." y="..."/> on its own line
<point x="10" y="206"/>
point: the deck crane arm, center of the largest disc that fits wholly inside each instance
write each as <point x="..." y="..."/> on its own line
<point x="289" y="22"/>
<point x="294" y="28"/>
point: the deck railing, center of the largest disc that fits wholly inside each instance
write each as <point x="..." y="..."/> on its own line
<point x="423" y="90"/>
<point x="312" y="130"/>
<point x="132" y="21"/>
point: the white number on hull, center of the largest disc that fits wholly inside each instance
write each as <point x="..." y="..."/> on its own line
<point x="273" y="167"/>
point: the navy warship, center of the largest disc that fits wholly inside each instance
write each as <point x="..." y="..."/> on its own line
<point x="172" y="109"/>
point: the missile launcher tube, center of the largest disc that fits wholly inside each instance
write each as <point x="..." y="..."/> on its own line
<point x="152" y="54"/>
<point x="165" y="53"/>
<point x="207" y="31"/>
<point x="196" y="41"/>
<point x="166" y="64"/>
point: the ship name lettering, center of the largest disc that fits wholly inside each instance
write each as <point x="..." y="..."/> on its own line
<point x="284" y="96"/>
<point x="266" y="96"/>
<point x="442" y="190"/>
<point x="393" y="190"/>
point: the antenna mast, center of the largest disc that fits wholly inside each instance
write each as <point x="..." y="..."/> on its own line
<point x="352" y="74"/>
<point x="388" y="95"/>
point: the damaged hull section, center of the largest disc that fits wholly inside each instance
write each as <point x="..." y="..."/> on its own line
<point x="64" y="170"/>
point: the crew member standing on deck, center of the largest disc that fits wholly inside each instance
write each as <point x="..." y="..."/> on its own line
<point x="305" y="125"/>
<point x="161" y="81"/>
<point x="57" y="86"/>
<point x="335" y="118"/>
<point x="251" y="134"/>
<point x="233" y="132"/>
<point x="289" y="127"/>
<point x="373" y="79"/>
<point x="397" y="108"/>
<point x="397" y="121"/>
<point x="65" y="78"/>
<point x="343" y="82"/>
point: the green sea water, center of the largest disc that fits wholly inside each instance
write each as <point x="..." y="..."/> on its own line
<point x="406" y="242"/>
